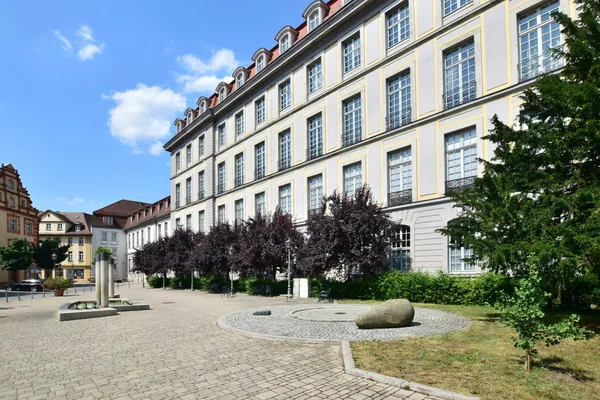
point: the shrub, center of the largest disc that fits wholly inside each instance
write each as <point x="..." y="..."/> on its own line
<point x="58" y="283"/>
<point x="156" y="281"/>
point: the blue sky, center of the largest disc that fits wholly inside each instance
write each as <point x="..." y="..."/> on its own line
<point x="89" y="89"/>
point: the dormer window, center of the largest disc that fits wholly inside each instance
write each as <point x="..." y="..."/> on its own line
<point x="284" y="44"/>
<point x="178" y="124"/>
<point x="260" y="63"/>
<point x="239" y="80"/>
<point x="314" y="20"/>
<point x="108" y="220"/>
<point x="202" y="107"/>
<point x="315" y="14"/>
<point x="77" y="228"/>
<point x="202" y="104"/>
<point x="190" y="116"/>
<point x="241" y="76"/>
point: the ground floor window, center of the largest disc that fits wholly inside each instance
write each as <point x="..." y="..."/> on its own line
<point x="75" y="274"/>
<point x="400" y="249"/>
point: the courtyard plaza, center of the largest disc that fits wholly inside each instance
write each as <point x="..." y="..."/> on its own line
<point x="174" y="351"/>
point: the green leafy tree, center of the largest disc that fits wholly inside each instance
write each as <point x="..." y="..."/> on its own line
<point x="540" y="193"/>
<point x="43" y="253"/>
<point x="16" y="256"/>
<point x="525" y="314"/>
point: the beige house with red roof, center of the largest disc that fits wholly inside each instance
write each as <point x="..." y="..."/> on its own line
<point x="72" y="229"/>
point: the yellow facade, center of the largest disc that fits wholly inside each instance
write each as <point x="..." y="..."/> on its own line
<point x="71" y="229"/>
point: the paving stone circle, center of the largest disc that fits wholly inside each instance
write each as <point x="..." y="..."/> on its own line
<point x="321" y="323"/>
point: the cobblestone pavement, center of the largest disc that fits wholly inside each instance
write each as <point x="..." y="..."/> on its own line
<point x="174" y="351"/>
<point x="283" y="324"/>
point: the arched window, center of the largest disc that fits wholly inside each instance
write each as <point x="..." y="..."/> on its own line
<point x="314" y="20"/>
<point x="222" y="94"/>
<point x="260" y="63"/>
<point x="11" y="184"/>
<point x="239" y="80"/>
<point x="284" y="43"/>
<point x="202" y="107"/>
<point x="400" y="259"/>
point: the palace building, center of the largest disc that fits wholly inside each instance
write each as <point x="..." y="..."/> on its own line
<point x="394" y="94"/>
<point x="18" y="217"/>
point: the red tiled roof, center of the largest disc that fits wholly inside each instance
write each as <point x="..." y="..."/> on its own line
<point x="121" y="208"/>
<point x="334" y="7"/>
<point x="149" y="213"/>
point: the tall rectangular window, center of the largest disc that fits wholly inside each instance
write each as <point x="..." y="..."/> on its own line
<point x="285" y="199"/>
<point x="188" y="151"/>
<point x="352" y="178"/>
<point x="69" y="256"/>
<point x="188" y="221"/>
<point x="201" y="221"/>
<point x="201" y="185"/>
<point x="188" y="190"/>
<point x="285" y="43"/>
<point x="352" y="121"/>
<point x="315" y="76"/>
<point x="221" y="214"/>
<point x="259" y="201"/>
<point x="177" y="196"/>
<point x="315" y="193"/>
<point x="351" y="48"/>
<point x="259" y="105"/>
<point x="398" y="24"/>
<point x="285" y="150"/>
<point x="113" y="238"/>
<point x="399" y="101"/>
<point x="314" y="20"/>
<point x="259" y="161"/>
<point x="201" y="145"/>
<point x="239" y="211"/>
<point x="221" y="135"/>
<point x="177" y="226"/>
<point x="459" y="75"/>
<point x="166" y="228"/>
<point x="459" y="255"/>
<point x="239" y="169"/>
<point x="452" y="5"/>
<point x="461" y="159"/>
<point x="221" y="177"/>
<point x="81" y="256"/>
<point x="400" y="177"/>
<point x="239" y="124"/>
<point x="539" y="33"/>
<point x="400" y="259"/>
<point x="315" y="136"/>
<point x="285" y="95"/>
<point x="104" y="237"/>
<point x="177" y="161"/>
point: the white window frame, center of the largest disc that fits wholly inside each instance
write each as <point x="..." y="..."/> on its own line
<point x="239" y="169"/>
<point x="260" y="160"/>
<point x="353" y="178"/>
<point x="285" y="149"/>
<point x="202" y="221"/>
<point x="260" y="63"/>
<point x="284" y="43"/>
<point x="188" y="152"/>
<point x="222" y="135"/>
<point x="397" y="24"/>
<point x="351" y="52"/>
<point x="239" y="80"/>
<point x="201" y="146"/>
<point x="314" y="20"/>
<point x="450" y="6"/>
<point x="260" y="108"/>
<point x="460" y="75"/>
<point x="315" y="76"/>
<point x="239" y="210"/>
<point x="285" y="199"/>
<point x="352" y="120"/>
<point x="260" y="203"/>
<point x="188" y="190"/>
<point x="315" y="136"/>
<point x="461" y="154"/>
<point x="221" y="218"/>
<point x="285" y="95"/>
<point x="400" y="255"/>
<point x="239" y="124"/>
<point x="315" y="193"/>
<point x="221" y="177"/>
<point x="177" y="161"/>
<point x="399" y="100"/>
<point x="177" y="195"/>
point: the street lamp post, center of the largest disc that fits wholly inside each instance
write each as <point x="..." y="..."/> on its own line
<point x="230" y="271"/>
<point x="54" y="258"/>
<point x="288" y="246"/>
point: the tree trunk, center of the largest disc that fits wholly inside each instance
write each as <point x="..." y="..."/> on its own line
<point x="528" y="361"/>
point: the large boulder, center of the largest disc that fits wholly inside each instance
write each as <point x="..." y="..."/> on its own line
<point x="391" y="314"/>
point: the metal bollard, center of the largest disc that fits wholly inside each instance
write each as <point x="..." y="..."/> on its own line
<point x="75" y="289"/>
<point x="32" y="290"/>
<point x="6" y="294"/>
<point x="44" y="292"/>
<point x="18" y="294"/>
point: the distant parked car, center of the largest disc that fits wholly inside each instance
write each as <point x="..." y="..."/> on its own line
<point x="27" y="285"/>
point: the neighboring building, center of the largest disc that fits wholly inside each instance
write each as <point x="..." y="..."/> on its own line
<point x="395" y="94"/>
<point x="108" y="224"/>
<point x="146" y="225"/>
<point x="18" y="215"/>
<point x="72" y="229"/>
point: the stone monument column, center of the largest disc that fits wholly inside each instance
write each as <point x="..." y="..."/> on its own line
<point x="111" y="278"/>
<point x="98" y="281"/>
<point x="104" y="266"/>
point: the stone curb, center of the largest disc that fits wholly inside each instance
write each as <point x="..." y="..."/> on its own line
<point x="351" y="369"/>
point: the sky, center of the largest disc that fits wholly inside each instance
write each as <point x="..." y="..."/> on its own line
<point x="89" y="90"/>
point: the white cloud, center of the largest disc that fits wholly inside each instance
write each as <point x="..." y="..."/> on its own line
<point x="70" y="202"/>
<point x="201" y="76"/>
<point x="89" y="51"/>
<point x="143" y="116"/>
<point x="85" y="33"/>
<point x="66" y="44"/>
<point x="88" y="48"/>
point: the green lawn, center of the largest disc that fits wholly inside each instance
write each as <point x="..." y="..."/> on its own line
<point x="482" y="361"/>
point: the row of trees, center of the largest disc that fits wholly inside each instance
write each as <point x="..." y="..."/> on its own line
<point x="351" y="238"/>
<point x="20" y="255"/>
